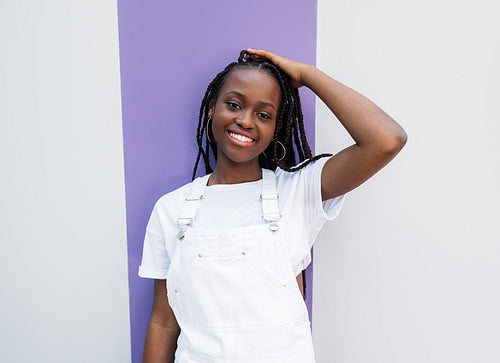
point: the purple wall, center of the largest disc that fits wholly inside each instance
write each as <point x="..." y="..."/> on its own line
<point x="169" y="52"/>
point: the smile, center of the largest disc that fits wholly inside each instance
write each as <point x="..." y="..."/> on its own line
<point x="241" y="138"/>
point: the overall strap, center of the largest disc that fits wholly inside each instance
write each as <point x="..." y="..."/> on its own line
<point x="269" y="197"/>
<point x="191" y="204"/>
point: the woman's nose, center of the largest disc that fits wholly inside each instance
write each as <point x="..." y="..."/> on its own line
<point x="245" y="121"/>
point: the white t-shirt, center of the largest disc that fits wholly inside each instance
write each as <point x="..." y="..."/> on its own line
<point x="239" y="205"/>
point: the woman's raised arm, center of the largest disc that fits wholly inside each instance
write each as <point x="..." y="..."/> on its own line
<point x="378" y="138"/>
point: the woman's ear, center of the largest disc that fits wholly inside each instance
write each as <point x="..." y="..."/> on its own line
<point x="211" y="106"/>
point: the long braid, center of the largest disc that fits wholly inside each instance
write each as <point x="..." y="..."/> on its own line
<point x="303" y="140"/>
<point x="299" y="120"/>
<point x="199" y="138"/>
<point x="297" y="142"/>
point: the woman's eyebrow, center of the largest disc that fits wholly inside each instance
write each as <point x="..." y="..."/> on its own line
<point x="243" y="96"/>
<point x="268" y="104"/>
<point x="236" y="93"/>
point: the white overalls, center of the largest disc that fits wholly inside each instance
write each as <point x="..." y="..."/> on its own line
<point x="233" y="290"/>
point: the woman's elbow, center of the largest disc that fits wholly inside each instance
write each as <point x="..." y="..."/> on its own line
<point x="401" y="139"/>
<point x="394" y="143"/>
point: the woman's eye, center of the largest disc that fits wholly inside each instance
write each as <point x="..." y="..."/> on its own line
<point x="232" y="104"/>
<point x="264" y="115"/>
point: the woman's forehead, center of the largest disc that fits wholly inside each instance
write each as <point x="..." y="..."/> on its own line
<point x="253" y="82"/>
<point x="248" y="74"/>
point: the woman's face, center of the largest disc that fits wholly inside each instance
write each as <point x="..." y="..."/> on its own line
<point x="244" y="115"/>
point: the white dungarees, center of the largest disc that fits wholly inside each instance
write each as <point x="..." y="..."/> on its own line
<point x="234" y="292"/>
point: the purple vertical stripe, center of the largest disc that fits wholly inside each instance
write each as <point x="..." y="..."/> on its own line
<point x="169" y="52"/>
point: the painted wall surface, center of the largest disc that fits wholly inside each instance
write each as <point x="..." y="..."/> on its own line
<point x="169" y="52"/>
<point x="410" y="271"/>
<point x="63" y="271"/>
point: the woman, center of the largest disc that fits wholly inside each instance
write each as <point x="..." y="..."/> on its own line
<point x="227" y="249"/>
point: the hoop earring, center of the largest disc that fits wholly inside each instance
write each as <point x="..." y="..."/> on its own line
<point x="284" y="152"/>
<point x="208" y="122"/>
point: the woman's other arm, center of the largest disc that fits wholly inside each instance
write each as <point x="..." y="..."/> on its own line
<point x="163" y="330"/>
<point x="378" y="138"/>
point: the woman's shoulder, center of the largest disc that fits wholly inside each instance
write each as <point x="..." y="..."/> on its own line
<point x="176" y="197"/>
<point x="304" y="170"/>
<point x="168" y="208"/>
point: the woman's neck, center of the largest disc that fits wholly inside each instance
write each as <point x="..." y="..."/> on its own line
<point x="234" y="174"/>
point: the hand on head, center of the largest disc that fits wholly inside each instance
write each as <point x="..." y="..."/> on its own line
<point x="295" y="70"/>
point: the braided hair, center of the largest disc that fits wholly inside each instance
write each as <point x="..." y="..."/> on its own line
<point x="289" y="123"/>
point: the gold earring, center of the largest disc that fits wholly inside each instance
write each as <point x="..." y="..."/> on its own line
<point x="208" y="122"/>
<point x="284" y="151"/>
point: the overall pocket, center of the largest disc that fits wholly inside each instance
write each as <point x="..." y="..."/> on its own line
<point x="232" y="292"/>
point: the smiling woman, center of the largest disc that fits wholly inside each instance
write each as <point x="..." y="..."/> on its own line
<point x="227" y="250"/>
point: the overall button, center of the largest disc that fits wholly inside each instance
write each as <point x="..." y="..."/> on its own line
<point x="273" y="227"/>
<point x="200" y="255"/>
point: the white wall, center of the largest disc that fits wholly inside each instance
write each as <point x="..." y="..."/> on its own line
<point x="63" y="270"/>
<point x="410" y="272"/>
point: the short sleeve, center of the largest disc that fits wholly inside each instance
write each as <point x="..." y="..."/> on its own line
<point x="155" y="258"/>
<point x="304" y="210"/>
<point x="321" y="211"/>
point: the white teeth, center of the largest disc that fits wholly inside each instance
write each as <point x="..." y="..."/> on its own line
<point x="240" y="137"/>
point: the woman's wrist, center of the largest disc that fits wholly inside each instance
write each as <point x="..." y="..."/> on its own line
<point x="308" y="75"/>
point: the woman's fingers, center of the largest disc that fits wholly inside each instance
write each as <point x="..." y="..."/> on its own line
<point x="293" y="68"/>
<point x="261" y="53"/>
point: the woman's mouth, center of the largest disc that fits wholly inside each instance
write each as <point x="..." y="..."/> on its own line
<point x="240" y="139"/>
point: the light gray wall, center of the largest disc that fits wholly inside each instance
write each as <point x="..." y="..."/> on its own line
<point x="63" y="270"/>
<point x="410" y="272"/>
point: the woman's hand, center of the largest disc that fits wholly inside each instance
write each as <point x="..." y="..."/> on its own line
<point x="295" y="70"/>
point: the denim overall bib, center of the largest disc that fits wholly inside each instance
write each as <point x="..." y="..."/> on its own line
<point x="233" y="290"/>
